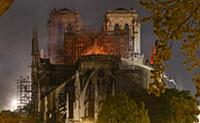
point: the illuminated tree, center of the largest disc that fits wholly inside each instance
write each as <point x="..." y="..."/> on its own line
<point x="4" y="5"/>
<point x="122" y="109"/>
<point x="173" y="106"/>
<point x="175" y="20"/>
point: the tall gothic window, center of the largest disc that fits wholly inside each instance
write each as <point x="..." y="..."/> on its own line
<point x="69" y="28"/>
<point x="116" y="28"/>
<point x="59" y="27"/>
<point x="126" y="28"/>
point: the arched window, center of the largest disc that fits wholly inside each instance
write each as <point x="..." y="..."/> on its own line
<point x="116" y="28"/>
<point x="126" y="28"/>
<point x="59" y="27"/>
<point x="69" y="28"/>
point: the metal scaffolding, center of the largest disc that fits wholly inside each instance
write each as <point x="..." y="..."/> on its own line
<point x="23" y="92"/>
<point x="69" y="38"/>
<point x="89" y="42"/>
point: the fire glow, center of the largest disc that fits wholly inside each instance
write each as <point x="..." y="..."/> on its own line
<point x="96" y="50"/>
<point x="89" y="43"/>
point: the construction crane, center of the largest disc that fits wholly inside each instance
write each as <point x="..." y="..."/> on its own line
<point x="5" y="5"/>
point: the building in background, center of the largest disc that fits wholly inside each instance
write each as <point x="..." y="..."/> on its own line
<point x="128" y="21"/>
<point x="85" y="65"/>
<point x="60" y="21"/>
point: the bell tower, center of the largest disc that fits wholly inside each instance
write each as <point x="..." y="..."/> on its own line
<point x="61" y="21"/>
<point x="125" y="20"/>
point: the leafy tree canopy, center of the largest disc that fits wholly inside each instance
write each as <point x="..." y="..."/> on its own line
<point x="122" y="109"/>
<point x="174" y="20"/>
<point x="173" y="106"/>
<point x="7" y="116"/>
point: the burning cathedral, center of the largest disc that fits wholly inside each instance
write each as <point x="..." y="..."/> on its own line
<point x="84" y="65"/>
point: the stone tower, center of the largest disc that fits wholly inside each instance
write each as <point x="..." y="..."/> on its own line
<point x="125" y="20"/>
<point x="61" y="21"/>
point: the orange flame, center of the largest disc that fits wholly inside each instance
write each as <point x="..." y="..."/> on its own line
<point x="152" y="56"/>
<point x="96" y="49"/>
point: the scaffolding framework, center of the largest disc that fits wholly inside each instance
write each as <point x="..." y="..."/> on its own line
<point x="23" y="92"/>
<point x="89" y="41"/>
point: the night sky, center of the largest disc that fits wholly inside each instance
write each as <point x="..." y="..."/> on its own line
<point x="16" y="34"/>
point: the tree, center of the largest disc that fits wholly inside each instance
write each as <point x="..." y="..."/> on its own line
<point x="122" y="109"/>
<point x="7" y="116"/>
<point x="173" y="106"/>
<point x="175" y="20"/>
<point x="4" y="6"/>
<point x="184" y="108"/>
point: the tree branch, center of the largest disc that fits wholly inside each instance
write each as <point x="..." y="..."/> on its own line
<point x="187" y="19"/>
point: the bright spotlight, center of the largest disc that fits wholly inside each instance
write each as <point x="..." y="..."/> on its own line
<point x="13" y="105"/>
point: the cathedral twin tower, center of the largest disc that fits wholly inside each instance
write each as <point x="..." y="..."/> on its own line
<point x="69" y="39"/>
